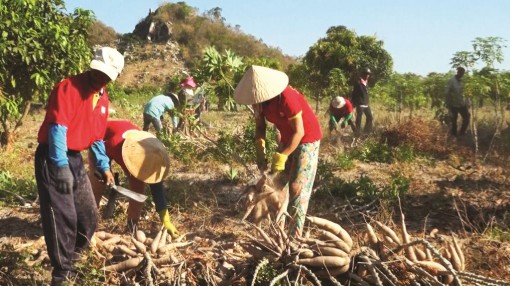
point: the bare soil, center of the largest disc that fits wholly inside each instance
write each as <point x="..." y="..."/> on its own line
<point x="452" y="193"/>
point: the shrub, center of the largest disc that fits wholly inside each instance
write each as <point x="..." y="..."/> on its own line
<point x="240" y="145"/>
<point x="373" y="151"/>
<point x="14" y="190"/>
<point x="178" y="148"/>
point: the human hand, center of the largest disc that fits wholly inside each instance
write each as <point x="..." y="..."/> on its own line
<point x="164" y="215"/>
<point x="278" y="164"/>
<point x="109" y="180"/>
<point x="64" y="180"/>
<point x="106" y="177"/>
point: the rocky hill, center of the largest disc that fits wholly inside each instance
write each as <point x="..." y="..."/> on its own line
<point x="150" y="64"/>
<point x="171" y="40"/>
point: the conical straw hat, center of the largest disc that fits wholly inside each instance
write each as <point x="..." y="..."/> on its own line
<point x="260" y="84"/>
<point x="145" y="156"/>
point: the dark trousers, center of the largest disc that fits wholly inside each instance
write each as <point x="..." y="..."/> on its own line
<point x="148" y="119"/>
<point x="68" y="220"/>
<point x="466" y="116"/>
<point x="368" y="118"/>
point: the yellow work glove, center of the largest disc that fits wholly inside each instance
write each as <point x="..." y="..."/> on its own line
<point x="167" y="222"/>
<point x="279" y="160"/>
<point x="260" y="148"/>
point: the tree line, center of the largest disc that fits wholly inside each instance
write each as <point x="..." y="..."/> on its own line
<point x="42" y="43"/>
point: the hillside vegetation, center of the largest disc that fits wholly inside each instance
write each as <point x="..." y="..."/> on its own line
<point x="177" y="44"/>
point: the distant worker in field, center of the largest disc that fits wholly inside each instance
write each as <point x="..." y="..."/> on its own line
<point x="457" y="103"/>
<point x="187" y="92"/>
<point x="267" y="90"/>
<point x="199" y="102"/>
<point x="155" y="109"/>
<point x="360" y="100"/>
<point x="340" y="114"/>
<point x="144" y="160"/>
<point x="75" y="120"/>
<point x="186" y="100"/>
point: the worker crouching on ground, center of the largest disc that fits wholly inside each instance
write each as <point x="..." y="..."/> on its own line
<point x="144" y="160"/>
<point x="340" y="114"/>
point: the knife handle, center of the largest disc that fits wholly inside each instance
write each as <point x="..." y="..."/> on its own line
<point x="112" y="197"/>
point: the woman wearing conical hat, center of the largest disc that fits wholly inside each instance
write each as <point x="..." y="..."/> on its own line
<point x="274" y="101"/>
<point x="145" y="161"/>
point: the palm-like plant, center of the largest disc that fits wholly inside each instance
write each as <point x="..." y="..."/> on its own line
<point x="221" y="72"/>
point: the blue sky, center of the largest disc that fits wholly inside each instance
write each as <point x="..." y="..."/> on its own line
<point x="421" y="36"/>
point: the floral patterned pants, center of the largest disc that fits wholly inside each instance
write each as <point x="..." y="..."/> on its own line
<point x="302" y="169"/>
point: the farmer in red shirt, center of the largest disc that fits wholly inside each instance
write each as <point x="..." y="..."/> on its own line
<point x="340" y="113"/>
<point x="144" y="160"/>
<point x="278" y="103"/>
<point x="75" y="120"/>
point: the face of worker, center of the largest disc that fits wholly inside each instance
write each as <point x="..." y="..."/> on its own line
<point x="98" y="79"/>
<point x="365" y="76"/>
<point x="460" y="73"/>
<point x="188" y="91"/>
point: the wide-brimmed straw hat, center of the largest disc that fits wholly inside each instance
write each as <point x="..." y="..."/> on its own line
<point x="260" y="84"/>
<point x="145" y="156"/>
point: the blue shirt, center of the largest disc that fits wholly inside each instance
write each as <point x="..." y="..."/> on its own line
<point x="158" y="105"/>
<point x="58" y="149"/>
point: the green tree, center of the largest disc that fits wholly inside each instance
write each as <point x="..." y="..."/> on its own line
<point x="407" y="90"/>
<point x="434" y="88"/>
<point x="347" y="52"/>
<point x="40" y="44"/>
<point x="215" y="14"/>
<point x="484" y="83"/>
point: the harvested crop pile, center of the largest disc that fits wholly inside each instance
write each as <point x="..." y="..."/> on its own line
<point x="425" y="136"/>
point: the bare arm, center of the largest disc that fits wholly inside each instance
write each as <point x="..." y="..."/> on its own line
<point x="298" y="131"/>
<point x="260" y="127"/>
